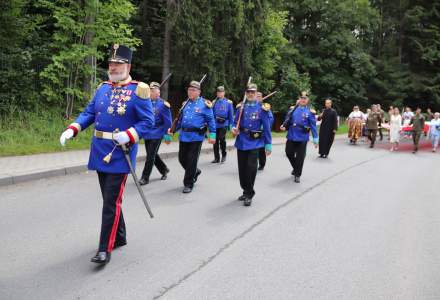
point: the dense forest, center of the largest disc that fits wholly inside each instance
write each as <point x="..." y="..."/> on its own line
<point x="53" y="52"/>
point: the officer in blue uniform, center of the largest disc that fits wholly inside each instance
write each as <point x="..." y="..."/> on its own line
<point x="122" y="113"/>
<point x="153" y="138"/>
<point x="252" y="131"/>
<point x="300" y="120"/>
<point x="262" y="151"/>
<point x="195" y="118"/>
<point x="224" y="119"/>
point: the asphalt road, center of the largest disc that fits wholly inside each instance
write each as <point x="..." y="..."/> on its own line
<point x="363" y="224"/>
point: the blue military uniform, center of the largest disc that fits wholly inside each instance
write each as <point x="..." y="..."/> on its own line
<point x="115" y="107"/>
<point x="300" y="121"/>
<point x="223" y="113"/>
<point x="262" y="150"/>
<point x="153" y="138"/>
<point x="254" y="121"/>
<point x="254" y="133"/>
<point x="195" y="118"/>
<point x="224" y="117"/>
<point x="125" y="107"/>
<point x="162" y="118"/>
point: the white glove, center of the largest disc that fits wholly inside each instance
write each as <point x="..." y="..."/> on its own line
<point x="121" y="137"/>
<point x="66" y="135"/>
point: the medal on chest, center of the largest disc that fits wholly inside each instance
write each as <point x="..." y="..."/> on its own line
<point x="118" y="100"/>
<point x="254" y="116"/>
<point x="197" y="110"/>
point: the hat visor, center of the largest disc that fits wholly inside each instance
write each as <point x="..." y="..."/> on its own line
<point x="195" y="87"/>
<point x="251" y="90"/>
<point x="118" y="60"/>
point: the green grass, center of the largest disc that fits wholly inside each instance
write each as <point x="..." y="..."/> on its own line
<point x="343" y="129"/>
<point x="39" y="132"/>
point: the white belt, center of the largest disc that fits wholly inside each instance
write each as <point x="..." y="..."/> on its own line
<point x="104" y="135"/>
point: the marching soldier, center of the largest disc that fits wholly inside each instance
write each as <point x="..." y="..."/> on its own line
<point x="418" y="124"/>
<point x="373" y="123"/>
<point x="262" y="150"/>
<point x="299" y="122"/>
<point x="224" y="118"/>
<point x="253" y="131"/>
<point x="122" y="112"/>
<point x="153" y="138"/>
<point x="196" y="117"/>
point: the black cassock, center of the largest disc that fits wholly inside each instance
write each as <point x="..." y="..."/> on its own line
<point x="328" y="125"/>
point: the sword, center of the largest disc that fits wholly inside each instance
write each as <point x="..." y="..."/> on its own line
<point x="126" y="151"/>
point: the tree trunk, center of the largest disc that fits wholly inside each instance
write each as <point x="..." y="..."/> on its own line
<point x="144" y="32"/>
<point x="89" y="79"/>
<point x="169" y="22"/>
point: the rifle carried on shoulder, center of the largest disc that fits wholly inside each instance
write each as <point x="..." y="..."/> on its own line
<point x="166" y="79"/>
<point x="242" y="105"/>
<point x="269" y="95"/>
<point x="290" y="113"/>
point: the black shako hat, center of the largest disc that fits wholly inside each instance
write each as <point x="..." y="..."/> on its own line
<point x="120" y="54"/>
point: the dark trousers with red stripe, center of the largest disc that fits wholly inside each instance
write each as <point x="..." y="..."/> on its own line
<point x="113" y="225"/>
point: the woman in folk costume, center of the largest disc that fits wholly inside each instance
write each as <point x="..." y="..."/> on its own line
<point x="395" y="128"/>
<point x="355" y="124"/>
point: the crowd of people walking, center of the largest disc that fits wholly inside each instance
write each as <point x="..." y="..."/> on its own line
<point x="408" y="124"/>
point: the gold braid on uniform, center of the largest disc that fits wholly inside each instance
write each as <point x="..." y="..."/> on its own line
<point x="266" y="106"/>
<point x="208" y="103"/>
<point x="142" y="90"/>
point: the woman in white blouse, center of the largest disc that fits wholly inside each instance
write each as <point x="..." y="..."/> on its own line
<point x="355" y="124"/>
<point x="395" y="128"/>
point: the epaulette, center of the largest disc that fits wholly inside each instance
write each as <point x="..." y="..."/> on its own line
<point x="313" y="111"/>
<point x="230" y="101"/>
<point x="142" y="90"/>
<point x="238" y="105"/>
<point x="166" y="103"/>
<point x="266" y="106"/>
<point x="208" y="103"/>
<point x="292" y="107"/>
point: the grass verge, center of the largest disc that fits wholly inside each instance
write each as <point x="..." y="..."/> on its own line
<point x="38" y="132"/>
